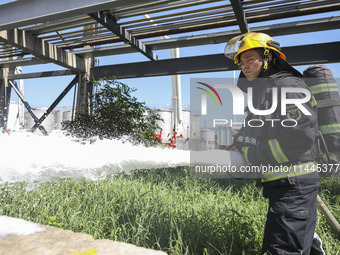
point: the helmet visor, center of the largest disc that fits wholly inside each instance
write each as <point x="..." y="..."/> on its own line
<point x="232" y="46"/>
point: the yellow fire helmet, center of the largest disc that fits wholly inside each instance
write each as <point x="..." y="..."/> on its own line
<point x="248" y="41"/>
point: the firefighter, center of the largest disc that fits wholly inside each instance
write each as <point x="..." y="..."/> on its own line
<point x="283" y="145"/>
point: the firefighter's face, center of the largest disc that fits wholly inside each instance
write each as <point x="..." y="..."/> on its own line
<point x="251" y="64"/>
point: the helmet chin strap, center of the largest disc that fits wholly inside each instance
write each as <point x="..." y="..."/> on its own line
<point x="265" y="60"/>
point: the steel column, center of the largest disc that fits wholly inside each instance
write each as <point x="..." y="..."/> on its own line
<point x="5" y="97"/>
<point x="85" y="87"/>
<point x="240" y="15"/>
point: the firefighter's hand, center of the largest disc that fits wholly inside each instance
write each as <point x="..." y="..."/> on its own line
<point x="232" y="148"/>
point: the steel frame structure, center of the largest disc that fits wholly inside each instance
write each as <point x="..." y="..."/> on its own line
<point x="70" y="33"/>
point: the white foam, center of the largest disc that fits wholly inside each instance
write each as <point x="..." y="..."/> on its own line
<point x="13" y="226"/>
<point x="30" y="157"/>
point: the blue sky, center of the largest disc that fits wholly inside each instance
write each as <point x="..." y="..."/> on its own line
<point x="157" y="91"/>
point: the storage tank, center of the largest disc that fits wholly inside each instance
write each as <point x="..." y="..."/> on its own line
<point x="47" y="123"/>
<point x="13" y="120"/>
<point x="29" y="122"/>
<point x="57" y="119"/>
<point x="186" y="124"/>
<point x="209" y="136"/>
<point x="67" y="115"/>
<point x="224" y="135"/>
<point x="166" y="125"/>
<point x="195" y="126"/>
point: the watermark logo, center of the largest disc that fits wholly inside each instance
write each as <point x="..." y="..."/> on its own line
<point x="238" y="100"/>
<point x="281" y="103"/>
<point x="204" y="96"/>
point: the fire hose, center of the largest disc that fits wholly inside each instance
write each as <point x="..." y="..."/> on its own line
<point x="331" y="220"/>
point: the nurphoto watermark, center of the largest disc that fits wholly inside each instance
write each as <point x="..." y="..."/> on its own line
<point x="218" y="111"/>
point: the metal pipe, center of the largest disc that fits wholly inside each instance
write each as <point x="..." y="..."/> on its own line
<point x="331" y="220"/>
<point x="177" y="95"/>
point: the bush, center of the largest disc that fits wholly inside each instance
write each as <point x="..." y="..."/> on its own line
<point x="115" y="114"/>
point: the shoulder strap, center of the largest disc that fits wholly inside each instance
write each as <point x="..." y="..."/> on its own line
<point x="278" y="76"/>
<point x="274" y="81"/>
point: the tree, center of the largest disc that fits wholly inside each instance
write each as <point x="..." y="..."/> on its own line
<point x="115" y="114"/>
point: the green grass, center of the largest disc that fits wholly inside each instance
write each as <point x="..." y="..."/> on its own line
<point x="163" y="209"/>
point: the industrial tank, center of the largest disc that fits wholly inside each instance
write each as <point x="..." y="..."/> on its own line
<point x="185" y="124"/>
<point x="29" y="121"/>
<point x="224" y="135"/>
<point x="195" y="126"/>
<point x="67" y="115"/>
<point x="209" y="136"/>
<point x="57" y="119"/>
<point x="165" y="126"/>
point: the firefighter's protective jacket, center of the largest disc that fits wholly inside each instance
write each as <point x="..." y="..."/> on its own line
<point x="277" y="139"/>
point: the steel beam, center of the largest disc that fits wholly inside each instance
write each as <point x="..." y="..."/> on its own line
<point x="28" y="107"/>
<point x="22" y="62"/>
<point x="240" y="16"/>
<point x="298" y="55"/>
<point x="296" y="27"/>
<point x="288" y="28"/>
<point x="54" y="104"/>
<point x="26" y="12"/>
<point x="124" y="35"/>
<point x="200" y="64"/>
<point x="324" y="53"/>
<point x="49" y="52"/>
<point x="41" y="74"/>
<point x="313" y="54"/>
